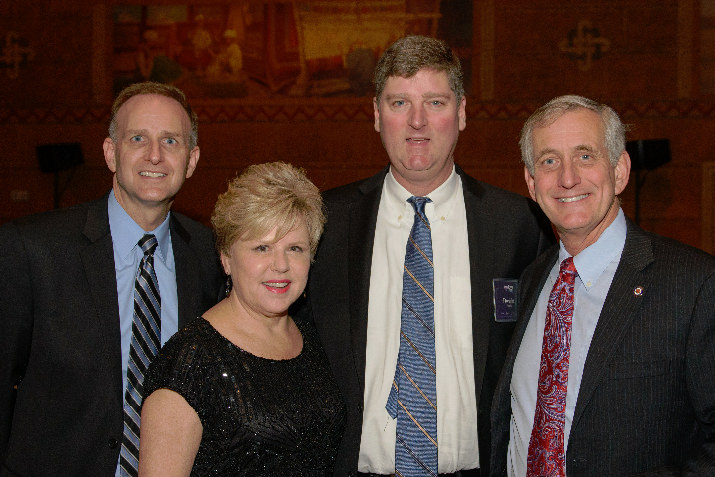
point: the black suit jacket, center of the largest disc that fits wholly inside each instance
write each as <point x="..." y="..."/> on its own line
<point x="60" y="345"/>
<point x="647" y="398"/>
<point x="506" y="232"/>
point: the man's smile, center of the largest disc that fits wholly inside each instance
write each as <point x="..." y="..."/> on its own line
<point x="573" y="199"/>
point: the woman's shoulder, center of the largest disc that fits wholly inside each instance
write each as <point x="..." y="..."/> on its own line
<point x="197" y="332"/>
<point x="191" y="345"/>
<point x="180" y="364"/>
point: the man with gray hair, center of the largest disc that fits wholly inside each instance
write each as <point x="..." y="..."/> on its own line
<point x="414" y="256"/>
<point x="611" y="370"/>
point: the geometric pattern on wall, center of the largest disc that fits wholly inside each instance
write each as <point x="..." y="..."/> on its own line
<point x="354" y="111"/>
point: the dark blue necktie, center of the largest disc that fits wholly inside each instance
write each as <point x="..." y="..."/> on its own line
<point x="146" y="340"/>
<point x="413" y="397"/>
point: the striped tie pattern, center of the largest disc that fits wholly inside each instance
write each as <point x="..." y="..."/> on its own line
<point x="146" y="340"/>
<point x="413" y="396"/>
<point x="546" y="446"/>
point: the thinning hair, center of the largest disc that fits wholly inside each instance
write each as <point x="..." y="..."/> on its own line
<point x="151" y="87"/>
<point x="273" y="195"/>
<point x="614" y="129"/>
<point x="410" y="54"/>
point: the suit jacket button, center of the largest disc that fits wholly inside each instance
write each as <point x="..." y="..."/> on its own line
<point x="113" y="443"/>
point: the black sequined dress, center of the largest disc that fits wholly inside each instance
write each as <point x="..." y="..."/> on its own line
<point x="260" y="417"/>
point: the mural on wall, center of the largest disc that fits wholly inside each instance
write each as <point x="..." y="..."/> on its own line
<point x="273" y="47"/>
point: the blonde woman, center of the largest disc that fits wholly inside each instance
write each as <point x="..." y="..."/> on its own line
<point x="245" y="390"/>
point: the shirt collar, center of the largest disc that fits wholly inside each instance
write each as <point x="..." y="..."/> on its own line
<point x="126" y="233"/>
<point x="593" y="260"/>
<point x="442" y="197"/>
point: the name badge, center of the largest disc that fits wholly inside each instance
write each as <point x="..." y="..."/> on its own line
<point x="505" y="291"/>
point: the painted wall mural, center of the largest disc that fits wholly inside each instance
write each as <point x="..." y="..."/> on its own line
<point x="274" y="48"/>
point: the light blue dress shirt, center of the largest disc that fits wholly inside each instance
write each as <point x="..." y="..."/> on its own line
<point x="596" y="266"/>
<point x="127" y="255"/>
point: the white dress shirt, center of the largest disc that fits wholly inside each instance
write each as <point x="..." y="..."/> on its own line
<point x="596" y="265"/>
<point x="456" y="400"/>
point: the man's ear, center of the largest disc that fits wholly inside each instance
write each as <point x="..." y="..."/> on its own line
<point x="376" y="111"/>
<point x="462" y="114"/>
<point x="193" y="160"/>
<point x="110" y="156"/>
<point x="529" y="182"/>
<point x="622" y="171"/>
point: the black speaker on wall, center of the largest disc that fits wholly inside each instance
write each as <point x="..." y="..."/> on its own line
<point x="648" y="154"/>
<point x="55" y="158"/>
<point x="59" y="157"/>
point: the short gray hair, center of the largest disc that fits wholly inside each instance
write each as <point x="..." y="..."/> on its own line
<point x="614" y="129"/>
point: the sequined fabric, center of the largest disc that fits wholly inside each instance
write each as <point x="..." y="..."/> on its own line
<point x="260" y="417"/>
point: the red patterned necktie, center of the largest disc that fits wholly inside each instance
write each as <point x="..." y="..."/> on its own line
<point x="546" y="446"/>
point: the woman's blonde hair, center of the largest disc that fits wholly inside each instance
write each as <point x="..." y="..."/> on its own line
<point x="274" y="195"/>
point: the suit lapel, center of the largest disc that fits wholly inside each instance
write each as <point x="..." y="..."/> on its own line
<point x="529" y="290"/>
<point x="481" y="238"/>
<point x="187" y="272"/>
<point x="98" y="262"/>
<point x="530" y="285"/>
<point x="363" y="219"/>
<point x="618" y="312"/>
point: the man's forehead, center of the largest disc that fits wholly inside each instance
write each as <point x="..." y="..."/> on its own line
<point x="141" y="107"/>
<point x="547" y="150"/>
<point x="436" y="82"/>
<point x="426" y="71"/>
<point x="580" y="122"/>
<point x="152" y="100"/>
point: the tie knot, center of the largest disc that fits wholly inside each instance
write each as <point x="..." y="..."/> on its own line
<point x="568" y="270"/>
<point x="418" y="203"/>
<point x="148" y="243"/>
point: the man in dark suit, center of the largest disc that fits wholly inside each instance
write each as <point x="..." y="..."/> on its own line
<point x="479" y="233"/>
<point x="67" y="293"/>
<point x="620" y="381"/>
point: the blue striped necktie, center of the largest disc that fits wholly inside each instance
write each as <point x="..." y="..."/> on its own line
<point x="413" y="397"/>
<point x="146" y="340"/>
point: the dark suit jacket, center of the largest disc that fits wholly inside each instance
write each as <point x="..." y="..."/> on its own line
<point x="506" y="232"/>
<point x="647" y="398"/>
<point x="60" y="341"/>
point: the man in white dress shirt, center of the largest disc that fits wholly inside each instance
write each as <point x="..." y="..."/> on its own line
<point x="479" y="233"/>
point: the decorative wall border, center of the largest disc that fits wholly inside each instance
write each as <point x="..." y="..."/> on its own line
<point x="349" y="112"/>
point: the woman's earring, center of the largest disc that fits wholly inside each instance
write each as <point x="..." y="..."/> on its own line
<point x="229" y="285"/>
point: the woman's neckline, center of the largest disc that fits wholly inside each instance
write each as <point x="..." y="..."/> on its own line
<point x="234" y="345"/>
